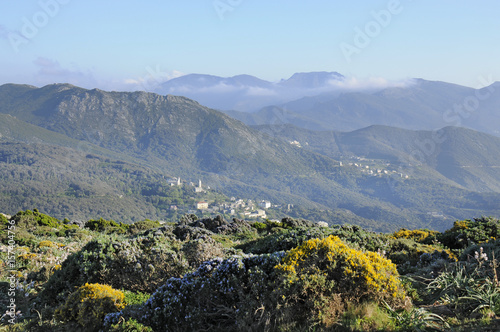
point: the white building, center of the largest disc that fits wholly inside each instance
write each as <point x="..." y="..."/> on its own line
<point x="198" y="189"/>
<point x="258" y="214"/>
<point x="202" y="205"/>
<point x="265" y="204"/>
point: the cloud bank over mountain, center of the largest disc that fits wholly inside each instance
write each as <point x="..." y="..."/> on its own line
<point x="248" y="93"/>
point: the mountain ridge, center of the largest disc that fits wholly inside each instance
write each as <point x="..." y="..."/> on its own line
<point x="425" y="105"/>
<point x="179" y="136"/>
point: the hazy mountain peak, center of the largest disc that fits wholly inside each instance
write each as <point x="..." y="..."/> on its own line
<point x="312" y="80"/>
<point x="246" y="92"/>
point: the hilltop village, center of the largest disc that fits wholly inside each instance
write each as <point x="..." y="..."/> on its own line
<point x="205" y="202"/>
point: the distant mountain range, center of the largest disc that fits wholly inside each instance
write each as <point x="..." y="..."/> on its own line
<point x="424" y="105"/>
<point x="94" y="135"/>
<point x="249" y="93"/>
<point x="328" y="101"/>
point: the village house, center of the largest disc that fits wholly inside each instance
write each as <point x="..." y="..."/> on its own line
<point x="265" y="204"/>
<point x="202" y="205"/>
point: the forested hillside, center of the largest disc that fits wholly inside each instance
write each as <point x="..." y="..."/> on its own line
<point x="169" y="136"/>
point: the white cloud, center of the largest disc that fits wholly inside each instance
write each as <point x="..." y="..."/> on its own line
<point x="371" y="83"/>
<point x="220" y="88"/>
<point x="152" y="79"/>
<point x="256" y="91"/>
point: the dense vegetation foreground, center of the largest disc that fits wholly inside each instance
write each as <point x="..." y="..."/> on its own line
<point x="215" y="275"/>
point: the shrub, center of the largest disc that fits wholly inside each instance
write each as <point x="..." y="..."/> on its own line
<point x="468" y="287"/>
<point x="222" y="295"/>
<point x="284" y="240"/>
<point x="367" y="317"/>
<point x="89" y="304"/>
<point x="108" y="226"/>
<point x="321" y="276"/>
<point x="140" y="226"/>
<point x="30" y="219"/>
<point x="468" y="232"/>
<point x="418" y="235"/>
<point x="77" y="233"/>
<point x="46" y="244"/>
<point x="259" y="226"/>
<point x="135" y="298"/>
<point x="23" y="238"/>
<point x="3" y="220"/>
<point x="407" y="252"/>
<point x="491" y="249"/>
<point x="296" y="223"/>
<point x="368" y="272"/>
<point x="130" y="325"/>
<point x="138" y="264"/>
<point x="202" y="249"/>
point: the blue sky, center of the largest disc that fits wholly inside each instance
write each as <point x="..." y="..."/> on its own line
<point x="113" y="44"/>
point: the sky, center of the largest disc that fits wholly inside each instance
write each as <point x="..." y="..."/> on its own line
<point x="116" y="44"/>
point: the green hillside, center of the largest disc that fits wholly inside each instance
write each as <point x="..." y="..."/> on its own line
<point x="466" y="158"/>
<point x="175" y="136"/>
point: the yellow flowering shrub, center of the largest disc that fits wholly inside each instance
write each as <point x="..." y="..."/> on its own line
<point x="46" y="243"/>
<point x="89" y="304"/>
<point x="460" y="225"/>
<point x="354" y="271"/>
<point x="27" y="256"/>
<point x="416" y="235"/>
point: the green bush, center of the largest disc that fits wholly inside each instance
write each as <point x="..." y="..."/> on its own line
<point x="143" y="225"/>
<point x="285" y="239"/>
<point x="259" y="226"/>
<point x="407" y="252"/>
<point x="135" y="298"/>
<point x="3" y="220"/>
<point x="418" y="235"/>
<point x="89" y="304"/>
<point x="367" y="317"/>
<point x="32" y="219"/>
<point x="310" y="286"/>
<point x="138" y="264"/>
<point x="77" y="233"/>
<point x="222" y="295"/>
<point x="202" y="249"/>
<point x="323" y="276"/>
<point x="469" y="232"/>
<point x="491" y="249"/>
<point x="130" y="325"/>
<point x="108" y="226"/>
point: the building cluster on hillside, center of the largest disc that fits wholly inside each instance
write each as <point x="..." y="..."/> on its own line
<point x="245" y="208"/>
<point x="375" y="170"/>
<point x="177" y="182"/>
